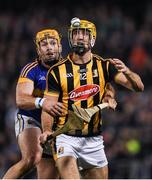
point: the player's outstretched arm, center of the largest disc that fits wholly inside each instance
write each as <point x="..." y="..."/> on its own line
<point x="126" y="77"/>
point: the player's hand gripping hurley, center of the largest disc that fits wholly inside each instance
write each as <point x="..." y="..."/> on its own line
<point x="76" y="119"/>
<point x="73" y="123"/>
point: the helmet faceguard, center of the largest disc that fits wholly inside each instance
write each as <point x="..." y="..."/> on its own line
<point x="77" y="24"/>
<point x="46" y="34"/>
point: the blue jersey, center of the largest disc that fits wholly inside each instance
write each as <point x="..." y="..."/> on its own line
<point x="36" y="73"/>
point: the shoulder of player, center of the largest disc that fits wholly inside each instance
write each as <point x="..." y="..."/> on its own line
<point x="62" y="61"/>
<point x="30" y="66"/>
<point x="99" y="58"/>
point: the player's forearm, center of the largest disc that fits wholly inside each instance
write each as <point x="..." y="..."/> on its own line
<point x="46" y="121"/>
<point x="134" y="80"/>
<point x="109" y="91"/>
<point x="25" y="101"/>
<point x="28" y="102"/>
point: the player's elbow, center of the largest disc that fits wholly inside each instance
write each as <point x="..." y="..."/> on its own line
<point x="20" y="102"/>
<point x="141" y="88"/>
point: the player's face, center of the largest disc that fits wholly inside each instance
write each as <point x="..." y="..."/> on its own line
<point x="48" y="49"/>
<point x="81" y="36"/>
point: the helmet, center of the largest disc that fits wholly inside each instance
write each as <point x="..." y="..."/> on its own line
<point x="76" y="23"/>
<point x="47" y="33"/>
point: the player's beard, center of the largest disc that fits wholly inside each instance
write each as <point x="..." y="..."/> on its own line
<point x="80" y="48"/>
<point x="48" y="60"/>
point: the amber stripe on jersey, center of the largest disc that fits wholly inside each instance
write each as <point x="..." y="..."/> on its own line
<point x="27" y="68"/>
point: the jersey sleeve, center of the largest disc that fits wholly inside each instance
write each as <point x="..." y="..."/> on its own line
<point x="28" y="73"/>
<point x="52" y="84"/>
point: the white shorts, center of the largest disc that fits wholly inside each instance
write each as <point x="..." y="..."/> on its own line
<point x="89" y="151"/>
<point x="23" y="122"/>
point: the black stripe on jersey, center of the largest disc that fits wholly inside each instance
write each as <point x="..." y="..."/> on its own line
<point x="28" y="68"/>
<point x="70" y="82"/>
<point x="104" y="66"/>
<point x="96" y="98"/>
<point x="61" y="92"/>
<point x="83" y="82"/>
<point x="56" y="72"/>
<point x="90" y="126"/>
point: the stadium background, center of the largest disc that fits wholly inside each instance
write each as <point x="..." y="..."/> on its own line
<point x="124" y="30"/>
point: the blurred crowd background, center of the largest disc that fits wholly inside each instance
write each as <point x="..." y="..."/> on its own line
<point x="124" y="30"/>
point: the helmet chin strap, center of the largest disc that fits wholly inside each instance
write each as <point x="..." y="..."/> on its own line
<point x="80" y="49"/>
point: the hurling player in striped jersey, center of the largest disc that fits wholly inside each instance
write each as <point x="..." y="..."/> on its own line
<point x="80" y="79"/>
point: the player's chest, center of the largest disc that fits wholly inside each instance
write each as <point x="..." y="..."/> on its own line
<point x="80" y="76"/>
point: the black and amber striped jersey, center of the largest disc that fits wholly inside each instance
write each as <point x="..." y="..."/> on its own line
<point x="81" y="84"/>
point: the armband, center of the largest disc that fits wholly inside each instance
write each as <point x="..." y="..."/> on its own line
<point x="39" y="102"/>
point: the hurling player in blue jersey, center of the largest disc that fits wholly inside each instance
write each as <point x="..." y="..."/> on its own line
<point x="29" y="98"/>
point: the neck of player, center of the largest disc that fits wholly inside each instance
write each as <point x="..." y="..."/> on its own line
<point x="83" y="58"/>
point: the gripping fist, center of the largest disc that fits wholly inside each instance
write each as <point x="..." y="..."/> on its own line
<point x="54" y="108"/>
<point x="109" y="96"/>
